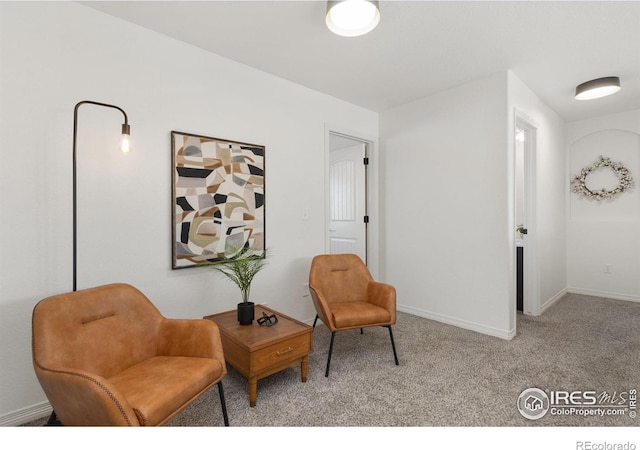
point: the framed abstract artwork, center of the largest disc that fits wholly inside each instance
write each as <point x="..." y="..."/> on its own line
<point x="218" y="195"/>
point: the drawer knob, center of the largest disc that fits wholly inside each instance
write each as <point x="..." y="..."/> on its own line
<point x="286" y="350"/>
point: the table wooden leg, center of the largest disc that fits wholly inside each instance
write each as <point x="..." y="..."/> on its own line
<point x="303" y="369"/>
<point x="253" y="390"/>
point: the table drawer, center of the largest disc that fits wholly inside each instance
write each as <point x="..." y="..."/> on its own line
<point x="282" y="351"/>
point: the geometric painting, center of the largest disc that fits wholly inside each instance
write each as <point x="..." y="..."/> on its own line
<point x="218" y="195"/>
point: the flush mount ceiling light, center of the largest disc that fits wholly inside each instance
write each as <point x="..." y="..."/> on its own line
<point x="600" y="87"/>
<point x="352" y="17"/>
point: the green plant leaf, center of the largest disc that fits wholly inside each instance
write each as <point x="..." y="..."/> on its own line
<point x="241" y="268"/>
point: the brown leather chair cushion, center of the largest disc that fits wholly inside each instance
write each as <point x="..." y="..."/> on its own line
<point x="341" y="278"/>
<point x="358" y="314"/>
<point x="155" y="387"/>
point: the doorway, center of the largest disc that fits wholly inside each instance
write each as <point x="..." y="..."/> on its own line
<point x="347" y="196"/>
<point x="527" y="296"/>
<point x="521" y="230"/>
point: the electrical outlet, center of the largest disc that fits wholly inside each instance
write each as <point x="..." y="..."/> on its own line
<point x="305" y="290"/>
<point x="608" y="268"/>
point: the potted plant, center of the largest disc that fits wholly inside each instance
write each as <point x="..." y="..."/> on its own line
<point x="241" y="268"/>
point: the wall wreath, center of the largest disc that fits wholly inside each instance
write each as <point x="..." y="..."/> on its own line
<point x="625" y="181"/>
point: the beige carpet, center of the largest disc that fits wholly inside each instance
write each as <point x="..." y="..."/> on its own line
<point x="447" y="376"/>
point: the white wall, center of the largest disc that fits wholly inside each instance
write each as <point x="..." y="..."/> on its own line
<point x="445" y="171"/>
<point x="548" y="230"/>
<point x="607" y="232"/>
<point x="56" y="54"/>
<point x="449" y="203"/>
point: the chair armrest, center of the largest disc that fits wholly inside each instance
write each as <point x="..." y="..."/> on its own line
<point x="83" y="398"/>
<point x="190" y="337"/>
<point x="322" y="308"/>
<point x="383" y="295"/>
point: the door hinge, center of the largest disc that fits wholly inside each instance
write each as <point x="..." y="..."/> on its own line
<point x="366" y="219"/>
<point x="366" y="161"/>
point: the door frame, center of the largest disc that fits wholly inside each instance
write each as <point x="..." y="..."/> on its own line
<point x="371" y="193"/>
<point x="531" y="289"/>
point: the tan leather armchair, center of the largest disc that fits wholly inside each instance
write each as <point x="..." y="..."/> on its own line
<point x="346" y="297"/>
<point x="106" y="356"/>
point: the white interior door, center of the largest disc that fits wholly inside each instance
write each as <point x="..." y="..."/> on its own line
<point x="347" y="200"/>
<point x="526" y="215"/>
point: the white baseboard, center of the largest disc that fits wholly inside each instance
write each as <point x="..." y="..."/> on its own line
<point x="25" y="415"/>
<point x="552" y="300"/>
<point x="613" y="295"/>
<point x="467" y="325"/>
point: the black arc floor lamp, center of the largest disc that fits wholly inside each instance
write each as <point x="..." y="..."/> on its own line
<point x="125" y="147"/>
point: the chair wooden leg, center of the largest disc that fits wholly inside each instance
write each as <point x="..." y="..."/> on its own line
<point x="333" y="335"/>
<point x="393" y="345"/>
<point x="224" y="404"/>
<point x="314" y="321"/>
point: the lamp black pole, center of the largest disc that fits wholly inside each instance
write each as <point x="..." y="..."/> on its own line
<point x="125" y="130"/>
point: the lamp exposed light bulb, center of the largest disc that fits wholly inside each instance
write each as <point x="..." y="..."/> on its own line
<point x="125" y="144"/>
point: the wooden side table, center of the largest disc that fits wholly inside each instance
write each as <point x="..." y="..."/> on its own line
<point x="257" y="351"/>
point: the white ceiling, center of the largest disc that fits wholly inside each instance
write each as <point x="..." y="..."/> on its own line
<point x="419" y="47"/>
